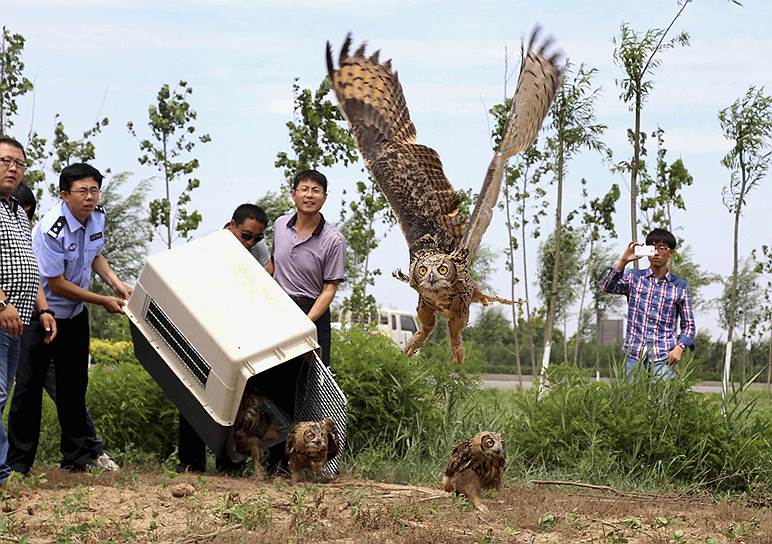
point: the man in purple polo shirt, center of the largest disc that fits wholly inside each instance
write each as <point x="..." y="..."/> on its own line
<point x="308" y="254"/>
<point x="656" y="301"/>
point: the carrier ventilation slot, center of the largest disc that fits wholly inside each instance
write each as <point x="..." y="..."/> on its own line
<point x="191" y="358"/>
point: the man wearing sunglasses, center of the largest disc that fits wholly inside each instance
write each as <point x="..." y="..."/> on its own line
<point x="248" y="225"/>
<point x="657" y="303"/>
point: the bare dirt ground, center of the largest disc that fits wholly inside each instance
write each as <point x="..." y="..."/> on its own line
<point x="134" y="506"/>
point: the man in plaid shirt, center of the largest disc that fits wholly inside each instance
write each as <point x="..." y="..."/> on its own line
<point x="20" y="290"/>
<point x="657" y="301"/>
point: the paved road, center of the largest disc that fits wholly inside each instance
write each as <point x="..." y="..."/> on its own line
<point x="509" y="381"/>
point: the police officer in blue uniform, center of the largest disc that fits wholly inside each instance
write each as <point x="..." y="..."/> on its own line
<point x="67" y="243"/>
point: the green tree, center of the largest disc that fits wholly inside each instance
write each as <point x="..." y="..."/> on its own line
<point x="569" y="274"/>
<point x="637" y="55"/>
<point x="660" y="194"/>
<point x="596" y="221"/>
<point x="173" y="139"/>
<point x="358" y="224"/>
<point x="66" y="151"/>
<point x="744" y="307"/>
<point x="747" y="123"/>
<point x="763" y="323"/>
<point x="572" y="128"/>
<point x="13" y="84"/>
<point x="317" y="137"/>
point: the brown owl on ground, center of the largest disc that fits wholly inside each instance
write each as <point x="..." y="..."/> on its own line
<point x="476" y="464"/>
<point x="310" y="444"/>
<point x="254" y="424"/>
<point x="441" y="240"/>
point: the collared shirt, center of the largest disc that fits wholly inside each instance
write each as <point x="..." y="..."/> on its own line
<point x="654" y="308"/>
<point x="66" y="247"/>
<point x="303" y="266"/>
<point x="19" y="275"/>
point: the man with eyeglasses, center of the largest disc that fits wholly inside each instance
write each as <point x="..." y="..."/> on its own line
<point x="20" y="292"/>
<point x="67" y="242"/>
<point x="657" y="301"/>
<point x="308" y="254"/>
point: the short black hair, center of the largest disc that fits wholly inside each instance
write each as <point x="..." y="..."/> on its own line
<point x="249" y="211"/>
<point x="26" y="199"/>
<point x="661" y="236"/>
<point x="10" y="141"/>
<point x="311" y="175"/>
<point x="74" y="172"/>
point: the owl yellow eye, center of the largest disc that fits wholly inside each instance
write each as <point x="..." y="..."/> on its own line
<point x="422" y="270"/>
<point x="308" y="435"/>
<point x="489" y="443"/>
<point x="443" y="270"/>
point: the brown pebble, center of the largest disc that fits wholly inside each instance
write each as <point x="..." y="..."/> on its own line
<point x="182" y="490"/>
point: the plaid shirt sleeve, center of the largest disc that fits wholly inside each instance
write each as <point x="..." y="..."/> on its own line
<point x="617" y="283"/>
<point x="686" y="317"/>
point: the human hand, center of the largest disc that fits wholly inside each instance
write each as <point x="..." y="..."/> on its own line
<point x="10" y="321"/>
<point x="123" y="291"/>
<point x="48" y="323"/>
<point x="113" y="305"/>
<point x="674" y="355"/>
<point x="628" y="255"/>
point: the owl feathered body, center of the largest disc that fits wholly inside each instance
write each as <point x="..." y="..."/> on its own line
<point x="309" y="445"/>
<point x="476" y="464"/>
<point x="254" y="424"/>
<point x="441" y="240"/>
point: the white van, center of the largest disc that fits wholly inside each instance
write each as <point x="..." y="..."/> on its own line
<point x="399" y="325"/>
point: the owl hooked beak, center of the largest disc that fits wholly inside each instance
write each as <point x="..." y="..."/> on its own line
<point x="430" y="277"/>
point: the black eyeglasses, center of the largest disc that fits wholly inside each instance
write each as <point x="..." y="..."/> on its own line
<point x="247" y="236"/>
<point x="8" y="161"/>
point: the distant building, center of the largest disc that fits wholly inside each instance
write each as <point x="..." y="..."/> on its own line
<point x="611" y="331"/>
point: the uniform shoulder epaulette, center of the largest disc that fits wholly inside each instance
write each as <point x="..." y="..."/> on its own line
<point x="100" y="209"/>
<point x="57" y="227"/>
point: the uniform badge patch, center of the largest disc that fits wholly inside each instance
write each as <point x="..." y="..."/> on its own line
<point x="72" y="247"/>
<point x="95" y="236"/>
<point x="57" y="227"/>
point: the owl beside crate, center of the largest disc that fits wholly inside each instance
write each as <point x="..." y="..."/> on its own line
<point x="309" y="445"/>
<point x="475" y="465"/>
<point x="441" y="240"/>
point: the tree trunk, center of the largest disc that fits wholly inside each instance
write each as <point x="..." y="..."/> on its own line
<point x="733" y="300"/>
<point x="634" y="168"/>
<point x="545" y="362"/>
<point x="515" y="323"/>
<point x="168" y="212"/>
<point x="581" y="303"/>
<point x="769" y="364"/>
<point x="531" y="343"/>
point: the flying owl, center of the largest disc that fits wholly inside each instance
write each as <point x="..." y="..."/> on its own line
<point x="310" y="444"/>
<point x="254" y="424"/>
<point x="476" y="464"/>
<point x="441" y="240"/>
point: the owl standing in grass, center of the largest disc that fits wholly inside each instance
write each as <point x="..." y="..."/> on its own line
<point x="476" y="464"/>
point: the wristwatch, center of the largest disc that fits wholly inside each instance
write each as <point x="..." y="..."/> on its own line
<point x="3" y="304"/>
<point x="46" y="311"/>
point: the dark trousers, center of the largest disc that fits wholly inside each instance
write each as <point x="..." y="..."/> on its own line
<point x="191" y="450"/>
<point x="323" y="329"/>
<point x="68" y="354"/>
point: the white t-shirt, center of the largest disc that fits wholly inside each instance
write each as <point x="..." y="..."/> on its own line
<point x="260" y="252"/>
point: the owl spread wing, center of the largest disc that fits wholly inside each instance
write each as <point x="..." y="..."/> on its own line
<point x="537" y="84"/>
<point x="409" y="175"/>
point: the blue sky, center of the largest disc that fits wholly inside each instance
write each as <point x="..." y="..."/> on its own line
<point x="90" y="59"/>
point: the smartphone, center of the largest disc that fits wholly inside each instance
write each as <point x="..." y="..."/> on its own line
<point x="644" y="251"/>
